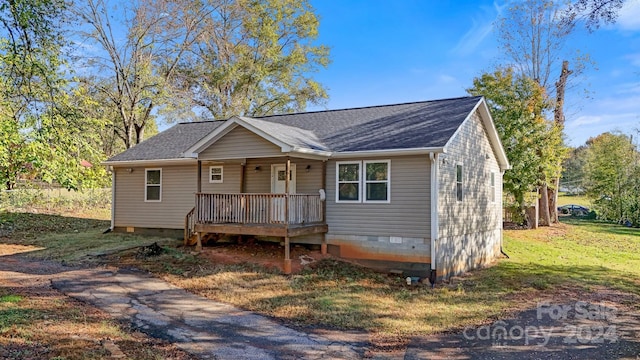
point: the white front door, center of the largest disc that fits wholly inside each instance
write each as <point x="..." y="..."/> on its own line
<point x="278" y="179"/>
<point x="278" y="186"/>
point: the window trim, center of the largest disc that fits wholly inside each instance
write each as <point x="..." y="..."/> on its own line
<point x="366" y="182"/>
<point x="221" y="167"/>
<point x="146" y="184"/>
<point x="359" y="181"/>
<point x="461" y="182"/>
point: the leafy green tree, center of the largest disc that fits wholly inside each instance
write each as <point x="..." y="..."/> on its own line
<point x="612" y="177"/>
<point x="531" y="142"/>
<point x="252" y="57"/>
<point x="573" y="170"/>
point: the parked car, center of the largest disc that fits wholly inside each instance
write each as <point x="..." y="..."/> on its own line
<point x="572" y="209"/>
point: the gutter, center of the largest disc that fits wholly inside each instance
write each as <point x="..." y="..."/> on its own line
<point x="433" y="158"/>
<point x="149" y="162"/>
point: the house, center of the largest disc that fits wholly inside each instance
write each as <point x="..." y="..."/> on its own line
<point x="415" y="187"/>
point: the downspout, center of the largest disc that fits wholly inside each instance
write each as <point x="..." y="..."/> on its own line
<point x="113" y="198"/>
<point x="433" y="157"/>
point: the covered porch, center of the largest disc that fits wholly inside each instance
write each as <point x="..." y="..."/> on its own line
<point x="281" y="213"/>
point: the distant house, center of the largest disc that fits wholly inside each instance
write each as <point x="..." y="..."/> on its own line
<point x="415" y="187"/>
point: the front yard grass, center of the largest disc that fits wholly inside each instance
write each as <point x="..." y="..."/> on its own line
<point x="564" y="262"/>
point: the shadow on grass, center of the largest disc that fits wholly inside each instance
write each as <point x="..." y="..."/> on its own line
<point x="25" y="226"/>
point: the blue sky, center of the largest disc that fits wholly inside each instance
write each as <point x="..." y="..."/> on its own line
<point x="386" y="52"/>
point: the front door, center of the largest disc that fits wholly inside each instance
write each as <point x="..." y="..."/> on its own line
<point x="278" y="179"/>
<point x="278" y="186"/>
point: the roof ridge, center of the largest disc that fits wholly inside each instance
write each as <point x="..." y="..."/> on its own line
<point x="365" y="107"/>
<point x="199" y="121"/>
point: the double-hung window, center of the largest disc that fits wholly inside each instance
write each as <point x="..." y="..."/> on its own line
<point x="215" y="174"/>
<point x="348" y="181"/>
<point x="363" y="181"/>
<point x="492" y="188"/>
<point x="153" y="185"/>
<point x="376" y="187"/>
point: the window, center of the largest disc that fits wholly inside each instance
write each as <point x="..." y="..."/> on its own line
<point x="153" y="185"/>
<point x="363" y="181"/>
<point x="376" y="181"/>
<point x="459" y="182"/>
<point x="215" y="174"/>
<point x="493" y="186"/>
<point x="348" y="182"/>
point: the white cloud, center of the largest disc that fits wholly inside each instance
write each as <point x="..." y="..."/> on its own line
<point x="481" y="27"/>
<point x="446" y="79"/>
<point x="629" y="16"/>
<point x="585" y="120"/>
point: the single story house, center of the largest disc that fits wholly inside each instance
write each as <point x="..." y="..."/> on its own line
<point x="415" y="187"/>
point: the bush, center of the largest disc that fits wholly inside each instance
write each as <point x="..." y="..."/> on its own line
<point x="55" y="199"/>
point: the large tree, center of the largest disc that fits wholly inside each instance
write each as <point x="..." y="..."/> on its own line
<point x="532" y="143"/>
<point x="253" y="57"/>
<point x="612" y="177"/>
<point x="533" y="36"/>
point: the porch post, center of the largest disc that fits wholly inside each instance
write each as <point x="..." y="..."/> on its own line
<point x="199" y="243"/>
<point x="243" y="166"/>
<point x="199" y="187"/>
<point x="323" y="245"/>
<point x="287" y="244"/>
<point x="287" y="256"/>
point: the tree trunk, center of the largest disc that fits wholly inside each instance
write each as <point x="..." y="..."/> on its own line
<point x="545" y="218"/>
<point x="558" y="117"/>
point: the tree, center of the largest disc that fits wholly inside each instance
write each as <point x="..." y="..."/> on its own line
<point x="592" y="12"/>
<point x="533" y="35"/>
<point x="573" y="170"/>
<point x="612" y="177"/>
<point x="29" y="59"/>
<point x="531" y="142"/>
<point x="253" y="57"/>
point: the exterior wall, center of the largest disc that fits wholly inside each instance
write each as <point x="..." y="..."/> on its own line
<point x="178" y="189"/>
<point x="240" y="143"/>
<point x="230" y="178"/>
<point x="260" y="181"/>
<point x="389" y="234"/>
<point x="470" y="230"/>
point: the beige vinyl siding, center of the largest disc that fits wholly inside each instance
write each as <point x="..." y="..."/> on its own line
<point x="178" y="189"/>
<point x="240" y="143"/>
<point x="469" y="230"/>
<point x="407" y="214"/>
<point x="230" y="178"/>
<point x="260" y="181"/>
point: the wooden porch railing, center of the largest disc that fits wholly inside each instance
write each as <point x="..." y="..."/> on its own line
<point x="258" y="208"/>
<point x="189" y="225"/>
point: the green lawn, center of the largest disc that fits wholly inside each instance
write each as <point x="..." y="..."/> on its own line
<point x="567" y="260"/>
<point x="564" y="199"/>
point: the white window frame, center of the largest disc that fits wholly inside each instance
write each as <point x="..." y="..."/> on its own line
<point x="146" y="184"/>
<point x="363" y="182"/>
<point x="211" y="181"/>
<point x="366" y="182"/>
<point x="461" y="182"/>
<point x="492" y="186"/>
<point x="359" y="181"/>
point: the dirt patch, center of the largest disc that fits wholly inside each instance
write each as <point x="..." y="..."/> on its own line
<point x="267" y="254"/>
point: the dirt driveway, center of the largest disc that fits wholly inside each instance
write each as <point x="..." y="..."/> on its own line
<point x="601" y="327"/>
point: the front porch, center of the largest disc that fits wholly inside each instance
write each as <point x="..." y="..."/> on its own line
<point x="266" y="214"/>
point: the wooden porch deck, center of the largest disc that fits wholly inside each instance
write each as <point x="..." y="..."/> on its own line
<point x="282" y="215"/>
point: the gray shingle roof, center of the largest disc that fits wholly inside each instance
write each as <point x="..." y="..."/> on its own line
<point x="169" y="144"/>
<point x="427" y="124"/>
<point x="403" y="126"/>
<point x="291" y="135"/>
